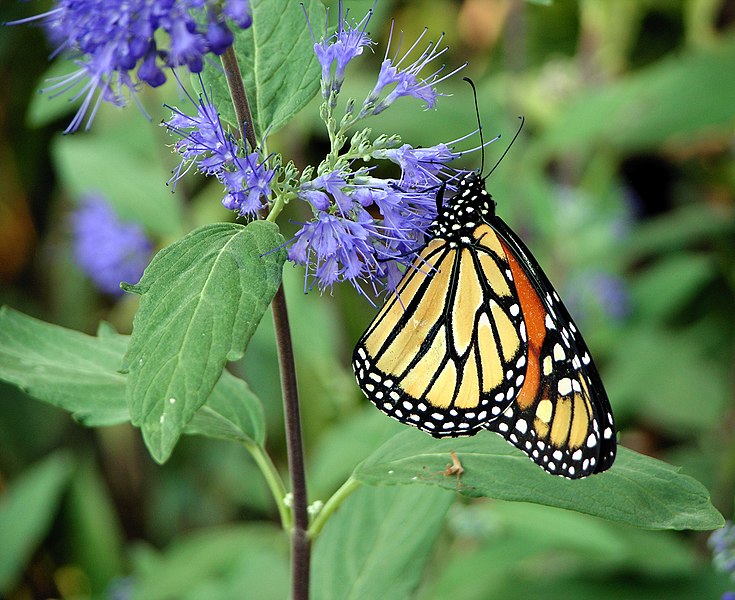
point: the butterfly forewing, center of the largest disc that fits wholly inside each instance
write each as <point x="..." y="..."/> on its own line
<point x="446" y="352"/>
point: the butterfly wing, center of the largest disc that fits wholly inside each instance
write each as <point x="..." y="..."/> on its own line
<point x="562" y="418"/>
<point x="446" y="351"/>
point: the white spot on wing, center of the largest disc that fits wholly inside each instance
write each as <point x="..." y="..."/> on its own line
<point x="564" y="386"/>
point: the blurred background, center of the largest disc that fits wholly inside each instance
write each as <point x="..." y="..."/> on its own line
<point x="622" y="182"/>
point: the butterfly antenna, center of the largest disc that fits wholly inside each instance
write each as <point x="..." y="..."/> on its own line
<point x="479" y="125"/>
<point x="515" y="137"/>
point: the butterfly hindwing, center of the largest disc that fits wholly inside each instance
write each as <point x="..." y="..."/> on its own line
<point x="562" y="417"/>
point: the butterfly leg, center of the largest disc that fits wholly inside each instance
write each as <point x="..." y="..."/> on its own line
<point x="440" y="197"/>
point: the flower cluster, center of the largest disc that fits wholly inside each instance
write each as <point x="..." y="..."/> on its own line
<point x="106" y="249"/>
<point x="362" y="227"/>
<point x="345" y="242"/>
<point x="405" y="79"/>
<point x="722" y="544"/>
<point x="206" y="144"/>
<point x="336" y="51"/>
<point x="110" y="40"/>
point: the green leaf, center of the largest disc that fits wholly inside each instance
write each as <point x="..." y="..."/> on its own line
<point x="27" y="509"/>
<point x="638" y="490"/>
<point x="229" y="562"/>
<point x="277" y="61"/>
<point x="377" y="544"/>
<point x="203" y="298"/>
<point x="66" y="368"/>
<point x="125" y="164"/>
<point x="233" y="412"/>
<point x="78" y="373"/>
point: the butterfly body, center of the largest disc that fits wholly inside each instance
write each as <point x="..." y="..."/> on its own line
<point x="475" y="337"/>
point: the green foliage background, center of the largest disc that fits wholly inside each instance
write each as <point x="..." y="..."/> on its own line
<point x="624" y="173"/>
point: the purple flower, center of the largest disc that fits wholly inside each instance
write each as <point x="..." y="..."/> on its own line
<point x="188" y="46"/>
<point x="364" y="227"/>
<point x="219" y="36"/>
<point x="110" y="39"/>
<point x="240" y="12"/>
<point x="348" y="42"/>
<point x="340" y="48"/>
<point x="335" y="248"/>
<point x="106" y="249"/>
<point x="334" y="184"/>
<point x="405" y="79"/>
<point x="203" y="139"/>
<point x="420" y="167"/>
<point x="247" y="184"/>
<point x="206" y="144"/>
<point x="722" y="544"/>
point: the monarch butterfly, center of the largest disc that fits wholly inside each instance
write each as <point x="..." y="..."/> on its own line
<point x="475" y="337"/>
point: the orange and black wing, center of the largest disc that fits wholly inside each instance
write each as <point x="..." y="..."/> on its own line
<point x="446" y="353"/>
<point x="562" y="418"/>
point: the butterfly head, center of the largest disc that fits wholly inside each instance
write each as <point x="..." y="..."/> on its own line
<point x="469" y="206"/>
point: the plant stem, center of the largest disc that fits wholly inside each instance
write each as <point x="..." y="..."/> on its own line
<point x="300" y="543"/>
<point x="334" y="502"/>
<point x="274" y="481"/>
<point x="239" y="97"/>
<point x="281" y="200"/>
